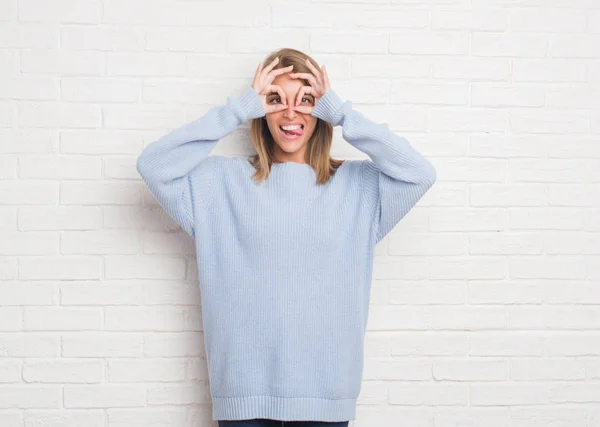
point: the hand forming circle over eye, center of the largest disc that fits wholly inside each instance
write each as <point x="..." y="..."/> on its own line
<point x="262" y="85"/>
<point x="319" y="85"/>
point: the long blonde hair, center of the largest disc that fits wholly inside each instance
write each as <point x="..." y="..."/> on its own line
<point x="319" y="144"/>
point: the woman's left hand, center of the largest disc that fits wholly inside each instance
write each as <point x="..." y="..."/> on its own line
<point x="319" y="85"/>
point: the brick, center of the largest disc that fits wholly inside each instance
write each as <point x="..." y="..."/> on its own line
<point x="478" y="19"/>
<point x="475" y="68"/>
<point x="63" y="62"/>
<point x="550" y="70"/>
<point x="544" y="20"/>
<point x="19" y="243"/>
<point x="29" y="36"/>
<point x="99" y="242"/>
<point x="10" y="372"/>
<point x="193" y="40"/>
<point x="429" y="343"/>
<point x="472" y="170"/>
<point x="100" y="90"/>
<point x="29" y="345"/>
<point x="185" y="394"/>
<point x="53" y="115"/>
<point x="440" y="94"/>
<point x="30" y="88"/>
<point x="467" y="120"/>
<point x="63" y="371"/>
<point x="101" y="344"/>
<point x="388" y="66"/>
<point x="48" y="418"/>
<point x="504" y="244"/>
<point x="420" y="292"/>
<point x="506" y="95"/>
<point x="62" y="319"/>
<point x="426" y="43"/>
<point x="509" y="394"/>
<point x="144" y="319"/>
<point x="383" y="18"/>
<point x="509" y="45"/>
<point x="576" y="46"/>
<point x="461" y="268"/>
<point x="427" y="244"/>
<point x="397" y="369"/>
<point x="60" y="267"/>
<point x="547" y="267"/>
<point x="105" y="395"/>
<point x="134" y="267"/>
<point x="507" y="195"/>
<point x="322" y="41"/>
<point x="471" y="369"/>
<point x="28" y="193"/>
<point x="147" y="370"/>
<point x="29" y="397"/>
<point x="438" y="394"/>
<point x="60" y="167"/>
<point x="63" y="11"/>
<point x="505" y="292"/>
<point x="162" y="416"/>
<point x="530" y="218"/>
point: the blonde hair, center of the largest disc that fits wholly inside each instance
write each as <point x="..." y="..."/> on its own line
<point x="319" y="144"/>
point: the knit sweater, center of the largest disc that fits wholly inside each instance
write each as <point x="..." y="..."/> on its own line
<point x="285" y="266"/>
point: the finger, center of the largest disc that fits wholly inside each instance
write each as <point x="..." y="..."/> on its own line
<point x="299" y="96"/>
<point x="326" y="78"/>
<point x="306" y="76"/>
<point x="304" y="109"/>
<point x="258" y="68"/>
<point x="279" y="90"/>
<point x="304" y="90"/>
<point x="275" y="108"/>
<point x="313" y="68"/>
<point x="281" y="71"/>
<point x="271" y="65"/>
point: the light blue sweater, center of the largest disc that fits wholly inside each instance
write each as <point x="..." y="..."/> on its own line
<point x="285" y="266"/>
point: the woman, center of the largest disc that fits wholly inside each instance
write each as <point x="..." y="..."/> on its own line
<point x="285" y="241"/>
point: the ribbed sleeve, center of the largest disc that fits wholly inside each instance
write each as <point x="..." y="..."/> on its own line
<point x="177" y="167"/>
<point x="396" y="177"/>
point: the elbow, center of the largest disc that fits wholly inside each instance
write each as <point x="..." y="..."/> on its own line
<point x="143" y="167"/>
<point x="428" y="174"/>
<point x="139" y="165"/>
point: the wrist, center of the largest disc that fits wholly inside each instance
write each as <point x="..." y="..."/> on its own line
<point x="251" y="104"/>
<point x="329" y="108"/>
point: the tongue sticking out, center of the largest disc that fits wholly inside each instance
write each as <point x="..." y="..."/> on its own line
<point x="294" y="131"/>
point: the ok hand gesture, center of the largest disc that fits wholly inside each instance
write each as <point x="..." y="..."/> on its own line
<point x="319" y="85"/>
<point x="262" y="85"/>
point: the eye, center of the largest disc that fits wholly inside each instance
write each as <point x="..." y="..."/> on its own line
<point x="308" y="99"/>
<point x="274" y="98"/>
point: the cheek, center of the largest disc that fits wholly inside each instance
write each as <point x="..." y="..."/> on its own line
<point x="311" y="126"/>
<point x="271" y="124"/>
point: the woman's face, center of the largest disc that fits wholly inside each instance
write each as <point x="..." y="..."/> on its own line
<point x="290" y="146"/>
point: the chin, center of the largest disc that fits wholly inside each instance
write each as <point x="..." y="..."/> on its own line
<point x="291" y="147"/>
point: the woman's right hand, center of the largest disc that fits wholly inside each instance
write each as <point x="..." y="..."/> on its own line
<point x="262" y="85"/>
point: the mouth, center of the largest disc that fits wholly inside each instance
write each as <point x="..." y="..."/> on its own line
<point x="292" y="132"/>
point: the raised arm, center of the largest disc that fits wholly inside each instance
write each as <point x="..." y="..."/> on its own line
<point x="395" y="177"/>
<point x="168" y="164"/>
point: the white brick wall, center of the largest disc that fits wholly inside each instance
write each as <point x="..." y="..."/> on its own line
<point x="485" y="307"/>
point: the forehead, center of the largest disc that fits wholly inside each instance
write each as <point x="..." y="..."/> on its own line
<point x="288" y="84"/>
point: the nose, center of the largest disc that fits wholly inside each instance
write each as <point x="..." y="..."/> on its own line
<point x="289" y="112"/>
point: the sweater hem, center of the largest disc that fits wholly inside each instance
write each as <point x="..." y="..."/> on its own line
<point x="284" y="408"/>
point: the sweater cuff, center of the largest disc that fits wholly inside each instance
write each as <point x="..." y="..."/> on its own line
<point x="251" y="104"/>
<point x="329" y="108"/>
